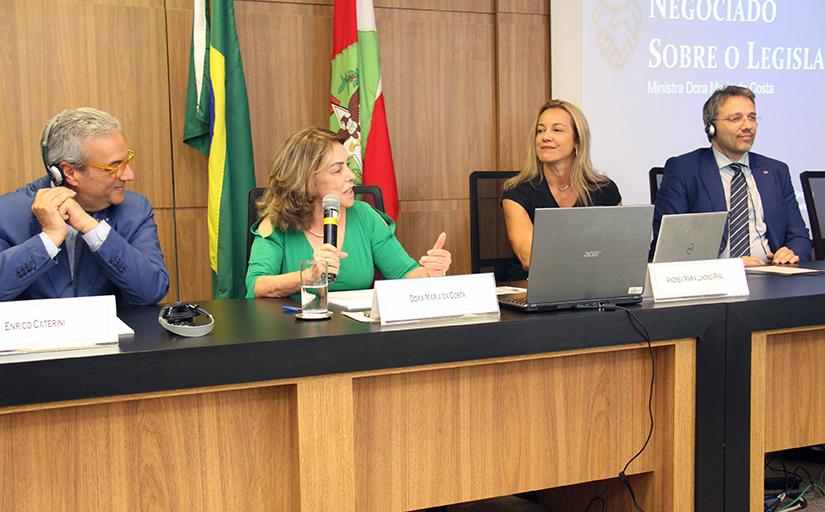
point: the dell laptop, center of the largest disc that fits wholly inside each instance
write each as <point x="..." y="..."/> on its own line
<point x="586" y="257"/>
<point x="690" y="237"/>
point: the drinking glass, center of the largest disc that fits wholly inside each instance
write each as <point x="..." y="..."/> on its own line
<point x="314" y="286"/>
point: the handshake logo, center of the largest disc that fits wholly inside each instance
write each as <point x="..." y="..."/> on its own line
<point x="617" y="29"/>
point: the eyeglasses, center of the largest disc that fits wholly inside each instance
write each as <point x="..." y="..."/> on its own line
<point x="119" y="168"/>
<point x="738" y="118"/>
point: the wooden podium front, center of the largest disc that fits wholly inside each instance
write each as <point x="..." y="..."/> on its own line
<point x="386" y="440"/>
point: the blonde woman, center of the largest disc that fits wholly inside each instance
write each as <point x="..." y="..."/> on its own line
<point x="311" y="164"/>
<point x="557" y="174"/>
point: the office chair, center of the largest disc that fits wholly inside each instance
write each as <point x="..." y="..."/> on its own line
<point x="654" y="177"/>
<point x="369" y="193"/>
<point x="489" y="247"/>
<point x="813" y="187"/>
<point x="252" y="216"/>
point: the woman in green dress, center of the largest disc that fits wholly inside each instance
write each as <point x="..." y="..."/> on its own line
<point x="311" y="164"/>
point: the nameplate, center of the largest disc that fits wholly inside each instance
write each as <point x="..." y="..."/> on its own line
<point x="415" y="300"/>
<point x="57" y="324"/>
<point x="698" y="279"/>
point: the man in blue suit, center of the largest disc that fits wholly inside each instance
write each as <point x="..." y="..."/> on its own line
<point x="764" y="223"/>
<point x="77" y="231"/>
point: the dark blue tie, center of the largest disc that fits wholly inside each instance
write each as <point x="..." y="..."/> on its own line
<point x="738" y="215"/>
<point x="79" y="243"/>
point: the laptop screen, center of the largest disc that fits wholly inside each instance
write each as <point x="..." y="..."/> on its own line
<point x="590" y="254"/>
<point x="690" y="237"/>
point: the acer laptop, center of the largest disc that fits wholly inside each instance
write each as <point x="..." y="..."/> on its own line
<point x="586" y="257"/>
<point x="690" y="237"/>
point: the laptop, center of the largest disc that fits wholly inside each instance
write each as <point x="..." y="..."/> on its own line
<point x="690" y="237"/>
<point x="586" y="257"/>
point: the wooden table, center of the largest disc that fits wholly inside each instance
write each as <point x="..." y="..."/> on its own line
<point x="268" y="413"/>
<point x="775" y="362"/>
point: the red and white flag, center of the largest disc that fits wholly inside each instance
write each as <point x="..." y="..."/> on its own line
<point x="357" y="100"/>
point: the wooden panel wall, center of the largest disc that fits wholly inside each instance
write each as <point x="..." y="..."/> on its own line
<point x="462" y="78"/>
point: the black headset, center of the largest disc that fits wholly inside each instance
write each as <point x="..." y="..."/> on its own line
<point x="710" y="129"/>
<point x="53" y="170"/>
<point x="186" y="319"/>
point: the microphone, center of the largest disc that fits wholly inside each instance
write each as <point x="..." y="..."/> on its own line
<point x="331" y="205"/>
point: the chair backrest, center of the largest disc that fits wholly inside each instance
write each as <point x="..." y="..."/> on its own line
<point x="252" y="216"/>
<point x="654" y="177"/>
<point x="371" y="193"/>
<point x="813" y="186"/>
<point x="489" y="247"/>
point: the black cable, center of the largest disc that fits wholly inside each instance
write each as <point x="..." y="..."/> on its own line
<point x="798" y="475"/>
<point x="600" y="497"/>
<point x="597" y="499"/>
<point x="642" y="330"/>
<point x="783" y="469"/>
<point x="780" y="499"/>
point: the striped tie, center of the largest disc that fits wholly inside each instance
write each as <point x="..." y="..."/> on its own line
<point x="79" y="243"/>
<point x="738" y="215"/>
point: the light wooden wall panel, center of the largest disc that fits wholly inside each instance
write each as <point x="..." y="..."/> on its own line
<point x="109" y="55"/>
<point x="487" y="6"/>
<point x="287" y="70"/>
<point x="524" y="6"/>
<point x="420" y="222"/>
<point x="189" y="165"/>
<point x="165" y="220"/>
<point x="193" y="249"/>
<point x="523" y="82"/>
<point x="19" y="158"/>
<point x="439" y="81"/>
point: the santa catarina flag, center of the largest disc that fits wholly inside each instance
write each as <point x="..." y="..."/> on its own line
<point x="357" y="100"/>
<point x="217" y="125"/>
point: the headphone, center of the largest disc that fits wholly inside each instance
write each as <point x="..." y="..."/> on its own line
<point x="53" y="170"/>
<point x="186" y="319"/>
<point x="710" y="129"/>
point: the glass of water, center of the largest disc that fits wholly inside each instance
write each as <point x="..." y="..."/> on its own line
<point x="314" y="285"/>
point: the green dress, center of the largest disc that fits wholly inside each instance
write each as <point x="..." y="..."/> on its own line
<point x="370" y="243"/>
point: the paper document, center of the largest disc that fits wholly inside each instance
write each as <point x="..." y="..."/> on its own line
<point x="361" y="316"/>
<point x="780" y="270"/>
<point x="352" y="300"/>
<point x="507" y="290"/>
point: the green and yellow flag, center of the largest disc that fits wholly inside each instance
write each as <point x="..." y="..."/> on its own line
<point x="217" y="125"/>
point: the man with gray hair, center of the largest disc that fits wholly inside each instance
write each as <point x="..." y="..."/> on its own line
<point x="764" y="223"/>
<point x="77" y="231"/>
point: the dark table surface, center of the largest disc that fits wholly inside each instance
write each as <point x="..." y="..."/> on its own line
<point x="256" y="340"/>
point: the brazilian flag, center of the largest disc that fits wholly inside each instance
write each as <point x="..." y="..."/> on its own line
<point x="217" y="125"/>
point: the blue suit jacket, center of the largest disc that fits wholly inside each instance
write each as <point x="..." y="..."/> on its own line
<point x="128" y="265"/>
<point x="691" y="183"/>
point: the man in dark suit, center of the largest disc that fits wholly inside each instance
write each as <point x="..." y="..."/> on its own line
<point x="77" y="231"/>
<point x="764" y="223"/>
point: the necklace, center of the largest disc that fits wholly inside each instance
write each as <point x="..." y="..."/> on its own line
<point x="319" y="235"/>
<point x="562" y="189"/>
